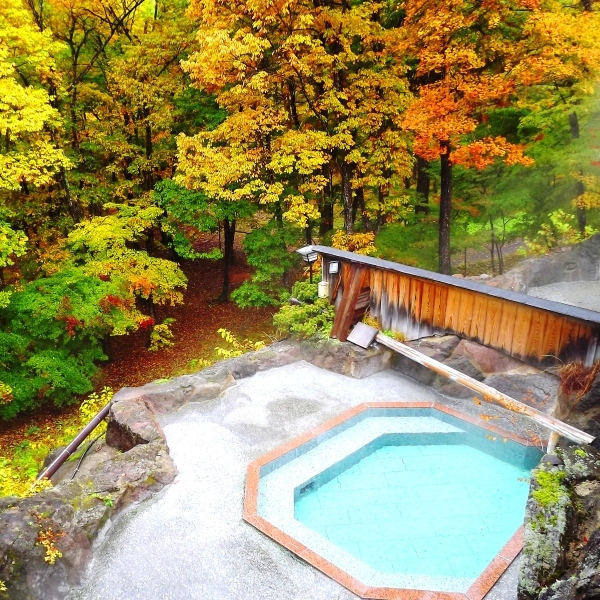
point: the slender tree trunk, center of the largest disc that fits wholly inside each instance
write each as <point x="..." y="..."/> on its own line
<point x="580" y="188"/>
<point x="361" y="206"/>
<point x="493" y="245"/>
<point x="308" y="234"/>
<point x="445" y="265"/>
<point x="326" y="208"/>
<point x="346" y="172"/>
<point x="73" y="206"/>
<point x="500" y="254"/>
<point x="423" y="184"/>
<point x="229" y="231"/>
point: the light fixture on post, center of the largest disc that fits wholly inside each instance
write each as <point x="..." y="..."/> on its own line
<point x="308" y="256"/>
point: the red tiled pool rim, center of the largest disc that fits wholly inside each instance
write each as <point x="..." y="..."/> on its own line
<point x="477" y="591"/>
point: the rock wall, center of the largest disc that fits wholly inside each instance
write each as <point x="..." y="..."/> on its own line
<point x="561" y="548"/>
<point x="134" y="464"/>
<point x="504" y="373"/>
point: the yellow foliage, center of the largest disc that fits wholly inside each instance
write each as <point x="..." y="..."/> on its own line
<point x="238" y="347"/>
<point x="361" y="243"/>
<point x="47" y="538"/>
<point x="19" y="465"/>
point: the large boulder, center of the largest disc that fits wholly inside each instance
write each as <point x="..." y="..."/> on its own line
<point x="576" y="263"/>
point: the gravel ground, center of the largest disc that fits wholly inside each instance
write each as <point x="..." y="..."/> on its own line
<point x="190" y="543"/>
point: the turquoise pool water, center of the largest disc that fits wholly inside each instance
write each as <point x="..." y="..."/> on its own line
<point x="436" y="509"/>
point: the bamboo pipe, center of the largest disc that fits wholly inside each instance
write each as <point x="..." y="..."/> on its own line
<point x="556" y="426"/>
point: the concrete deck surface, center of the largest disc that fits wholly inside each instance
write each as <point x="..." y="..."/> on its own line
<point x="190" y="543"/>
<point x="585" y="294"/>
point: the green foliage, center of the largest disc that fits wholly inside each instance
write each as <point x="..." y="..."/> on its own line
<point x="551" y="488"/>
<point x="19" y="465"/>
<point x="51" y="337"/>
<point x="12" y="244"/>
<point x="161" y="335"/>
<point x="102" y="246"/>
<point x="268" y="251"/>
<point x="314" y="317"/>
<point x="413" y="244"/>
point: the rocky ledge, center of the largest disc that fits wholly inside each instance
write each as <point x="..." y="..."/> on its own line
<point x="46" y="541"/>
<point x="561" y="551"/>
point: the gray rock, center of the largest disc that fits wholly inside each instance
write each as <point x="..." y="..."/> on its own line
<point x="75" y="512"/>
<point x="561" y="553"/>
<point x="579" y="263"/>
<point x="546" y="530"/>
<point x="539" y="390"/>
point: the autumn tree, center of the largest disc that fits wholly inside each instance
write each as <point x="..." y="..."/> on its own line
<point x="313" y="93"/>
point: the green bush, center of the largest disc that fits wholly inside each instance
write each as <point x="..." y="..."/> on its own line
<point x="314" y="317"/>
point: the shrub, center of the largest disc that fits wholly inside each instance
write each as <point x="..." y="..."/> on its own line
<point x="314" y="317"/>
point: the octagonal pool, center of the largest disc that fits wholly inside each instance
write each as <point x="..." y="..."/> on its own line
<point x="389" y="498"/>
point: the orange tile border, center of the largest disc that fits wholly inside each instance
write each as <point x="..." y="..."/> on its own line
<point x="484" y="583"/>
<point x="480" y="587"/>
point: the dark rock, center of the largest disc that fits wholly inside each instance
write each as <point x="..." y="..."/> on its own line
<point x="591" y="399"/>
<point x="583" y="582"/>
<point x="451" y="388"/>
<point x="545" y="535"/>
<point x="552" y="459"/>
<point x="131" y="422"/>
<point x="410" y="368"/>
<point x="466" y="366"/>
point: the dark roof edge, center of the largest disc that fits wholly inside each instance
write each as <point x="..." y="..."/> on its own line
<point x="559" y="308"/>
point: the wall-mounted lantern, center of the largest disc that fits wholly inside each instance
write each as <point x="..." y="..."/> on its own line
<point x="308" y="256"/>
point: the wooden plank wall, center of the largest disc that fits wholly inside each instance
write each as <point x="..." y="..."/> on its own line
<point x="417" y="307"/>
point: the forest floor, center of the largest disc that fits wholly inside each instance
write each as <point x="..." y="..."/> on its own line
<point x="195" y="338"/>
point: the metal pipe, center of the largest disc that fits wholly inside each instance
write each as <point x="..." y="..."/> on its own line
<point x="72" y="447"/>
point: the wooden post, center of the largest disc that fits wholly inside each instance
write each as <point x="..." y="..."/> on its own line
<point x="553" y="441"/>
<point x="346" y="311"/>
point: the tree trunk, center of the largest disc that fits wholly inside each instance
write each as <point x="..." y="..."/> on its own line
<point x="346" y="172"/>
<point x="445" y="265"/>
<point x="581" y="213"/>
<point x="423" y="183"/>
<point x="229" y="231"/>
<point x="326" y="208"/>
<point x="74" y="208"/>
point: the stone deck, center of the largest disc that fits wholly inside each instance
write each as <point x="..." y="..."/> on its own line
<point x="189" y="542"/>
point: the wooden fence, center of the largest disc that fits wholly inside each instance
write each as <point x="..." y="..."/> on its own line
<point x="420" y="303"/>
